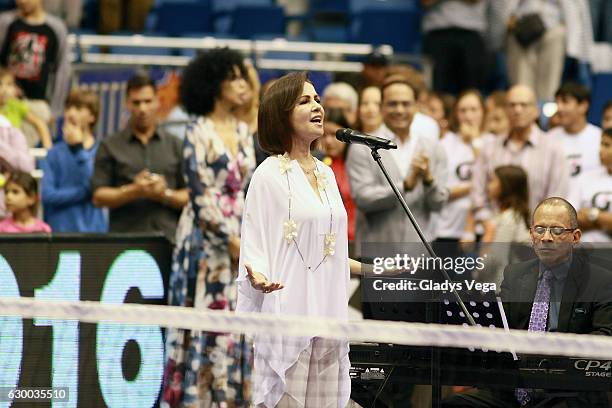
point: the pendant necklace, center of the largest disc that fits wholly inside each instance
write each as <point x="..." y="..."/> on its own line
<point x="290" y="227"/>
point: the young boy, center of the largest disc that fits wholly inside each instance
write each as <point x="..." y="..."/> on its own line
<point x="17" y="110"/>
<point x="66" y="191"/>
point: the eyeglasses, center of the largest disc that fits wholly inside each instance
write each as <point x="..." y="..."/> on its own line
<point x="556" y="231"/>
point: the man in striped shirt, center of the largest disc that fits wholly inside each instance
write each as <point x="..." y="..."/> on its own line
<point x="527" y="146"/>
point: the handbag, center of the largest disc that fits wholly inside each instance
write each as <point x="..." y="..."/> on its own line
<point x="529" y="29"/>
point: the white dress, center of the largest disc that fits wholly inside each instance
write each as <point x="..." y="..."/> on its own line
<point x="321" y="292"/>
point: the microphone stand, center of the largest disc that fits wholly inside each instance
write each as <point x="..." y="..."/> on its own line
<point x="436" y="387"/>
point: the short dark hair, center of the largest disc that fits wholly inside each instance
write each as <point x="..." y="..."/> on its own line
<point x="202" y="78"/>
<point x="377" y="59"/>
<point x="560" y="202"/>
<point x="82" y="98"/>
<point x="28" y="183"/>
<point x="579" y="92"/>
<point x="274" y="129"/>
<point x="139" y="80"/>
<point x="514" y="188"/>
<point x="397" y="79"/>
<point x="337" y="116"/>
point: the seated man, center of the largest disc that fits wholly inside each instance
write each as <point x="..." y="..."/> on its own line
<point x="560" y="290"/>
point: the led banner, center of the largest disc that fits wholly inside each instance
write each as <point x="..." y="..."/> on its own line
<point x="96" y="365"/>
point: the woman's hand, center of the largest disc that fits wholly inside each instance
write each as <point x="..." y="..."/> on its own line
<point x="260" y="282"/>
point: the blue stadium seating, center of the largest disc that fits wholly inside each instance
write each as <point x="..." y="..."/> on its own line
<point x="601" y="93"/>
<point x="330" y="6"/>
<point x="175" y="18"/>
<point x="222" y="11"/>
<point x="7" y="5"/>
<point x="328" y="20"/>
<point x="398" y="27"/>
<point x="251" y="21"/>
<point x="356" y="6"/>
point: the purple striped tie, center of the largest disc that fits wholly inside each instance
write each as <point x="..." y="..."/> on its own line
<point x="537" y="322"/>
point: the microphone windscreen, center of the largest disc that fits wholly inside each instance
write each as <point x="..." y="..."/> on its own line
<point x="343" y="134"/>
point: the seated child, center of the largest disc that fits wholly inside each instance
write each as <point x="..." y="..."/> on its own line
<point x="21" y="200"/>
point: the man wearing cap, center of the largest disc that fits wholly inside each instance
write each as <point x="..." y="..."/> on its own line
<point x="373" y="72"/>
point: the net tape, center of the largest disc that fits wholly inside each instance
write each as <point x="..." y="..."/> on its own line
<point x="415" y="334"/>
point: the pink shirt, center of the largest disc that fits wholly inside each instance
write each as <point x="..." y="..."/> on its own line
<point x="8" y="225"/>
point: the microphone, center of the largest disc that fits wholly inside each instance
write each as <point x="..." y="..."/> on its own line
<point x="352" y="136"/>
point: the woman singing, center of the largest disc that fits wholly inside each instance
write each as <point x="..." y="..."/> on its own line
<point x="294" y="253"/>
<point x="210" y="369"/>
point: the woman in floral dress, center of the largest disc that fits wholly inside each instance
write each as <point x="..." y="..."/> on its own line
<point x="210" y="369"/>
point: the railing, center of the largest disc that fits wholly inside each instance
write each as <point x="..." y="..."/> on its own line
<point x="325" y="56"/>
<point x="90" y="55"/>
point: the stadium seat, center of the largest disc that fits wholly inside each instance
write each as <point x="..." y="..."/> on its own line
<point x="372" y="25"/>
<point x="601" y="92"/>
<point x="222" y="11"/>
<point x="175" y="18"/>
<point x="330" y="6"/>
<point x="356" y="6"/>
<point x="247" y="21"/>
<point x="328" y="20"/>
<point x="7" y="5"/>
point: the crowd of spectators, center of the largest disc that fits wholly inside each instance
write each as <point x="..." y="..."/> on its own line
<point x="470" y="168"/>
<point x="450" y="139"/>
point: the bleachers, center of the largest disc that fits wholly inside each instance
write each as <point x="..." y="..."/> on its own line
<point x="175" y="18"/>
<point x="247" y="21"/>
<point x="325" y="20"/>
<point x="371" y="24"/>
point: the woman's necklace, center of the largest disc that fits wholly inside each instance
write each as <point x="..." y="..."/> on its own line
<point x="290" y="227"/>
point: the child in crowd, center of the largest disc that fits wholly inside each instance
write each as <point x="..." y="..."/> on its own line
<point x="17" y="110"/>
<point x="496" y="119"/>
<point x="66" y="190"/>
<point x="21" y="200"/>
<point x="440" y="108"/>
<point x="508" y="190"/>
<point x="14" y="155"/>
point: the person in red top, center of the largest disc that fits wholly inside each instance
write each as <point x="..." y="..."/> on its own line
<point x="335" y="154"/>
<point x="21" y="199"/>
